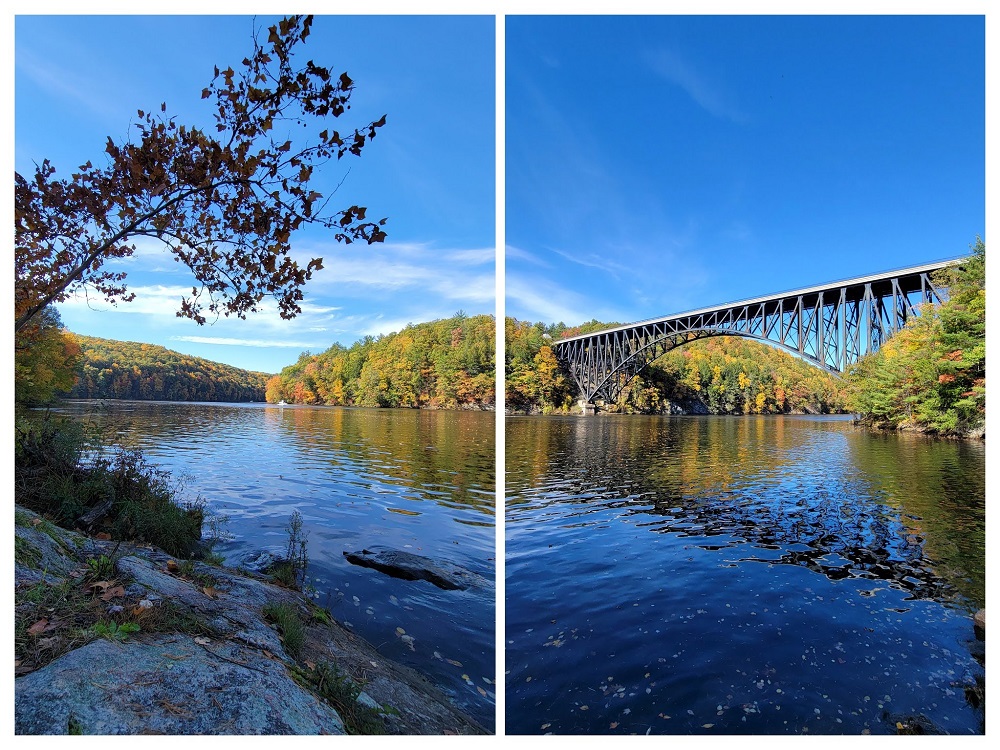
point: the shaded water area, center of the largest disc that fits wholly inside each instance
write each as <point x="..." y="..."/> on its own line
<point x="741" y="575"/>
<point x="415" y="480"/>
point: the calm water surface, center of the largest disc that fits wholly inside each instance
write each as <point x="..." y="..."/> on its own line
<point x="716" y="575"/>
<point x="416" y="480"/>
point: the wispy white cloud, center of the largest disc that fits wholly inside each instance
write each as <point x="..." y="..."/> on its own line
<point x="592" y="260"/>
<point x="541" y="299"/>
<point x="261" y="343"/>
<point x="517" y="253"/>
<point x="461" y="274"/>
<point x="709" y="95"/>
<point x="66" y="83"/>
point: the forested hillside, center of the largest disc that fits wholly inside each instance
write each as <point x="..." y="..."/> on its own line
<point x="130" y="370"/>
<point x="725" y="375"/>
<point x="931" y="375"/>
<point x="442" y="364"/>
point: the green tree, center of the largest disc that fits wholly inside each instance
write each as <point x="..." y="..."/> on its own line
<point x="45" y="359"/>
<point x="932" y="374"/>
<point x="224" y="202"/>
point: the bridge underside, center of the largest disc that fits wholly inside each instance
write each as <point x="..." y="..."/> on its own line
<point x="831" y="327"/>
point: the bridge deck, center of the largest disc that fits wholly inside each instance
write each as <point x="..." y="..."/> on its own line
<point x="854" y="286"/>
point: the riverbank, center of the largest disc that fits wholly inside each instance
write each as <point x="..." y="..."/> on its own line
<point x="191" y="648"/>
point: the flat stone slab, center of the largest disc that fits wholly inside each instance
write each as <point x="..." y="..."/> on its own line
<point x="167" y="685"/>
<point x="411" y="567"/>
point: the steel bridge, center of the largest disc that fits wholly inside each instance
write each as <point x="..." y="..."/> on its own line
<point x="831" y="326"/>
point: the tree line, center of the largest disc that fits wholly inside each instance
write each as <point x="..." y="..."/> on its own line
<point x="447" y="364"/>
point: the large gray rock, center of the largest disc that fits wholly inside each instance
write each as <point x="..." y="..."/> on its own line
<point x="167" y="685"/>
<point x="411" y="567"/>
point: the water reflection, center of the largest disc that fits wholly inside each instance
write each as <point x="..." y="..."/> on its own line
<point x="739" y="575"/>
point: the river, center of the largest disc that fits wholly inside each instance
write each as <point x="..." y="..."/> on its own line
<point x="741" y="575"/>
<point x="421" y="481"/>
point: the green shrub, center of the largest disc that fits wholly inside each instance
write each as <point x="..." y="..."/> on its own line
<point x="59" y="472"/>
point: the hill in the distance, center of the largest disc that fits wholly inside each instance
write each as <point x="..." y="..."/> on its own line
<point x="147" y="372"/>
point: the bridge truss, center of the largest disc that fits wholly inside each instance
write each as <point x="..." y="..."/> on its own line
<point x="831" y="326"/>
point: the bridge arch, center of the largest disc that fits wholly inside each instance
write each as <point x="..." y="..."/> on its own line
<point x="831" y="326"/>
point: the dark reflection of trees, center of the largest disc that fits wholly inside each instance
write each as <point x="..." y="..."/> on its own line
<point x="822" y="495"/>
<point x="445" y="456"/>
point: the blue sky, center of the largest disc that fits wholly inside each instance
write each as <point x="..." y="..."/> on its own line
<point x="660" y="164"/>
<point x="430" y="170"/>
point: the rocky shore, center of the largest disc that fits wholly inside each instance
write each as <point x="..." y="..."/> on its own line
<point x="112" y="638"/>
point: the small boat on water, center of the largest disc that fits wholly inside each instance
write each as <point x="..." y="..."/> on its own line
<point x="282" y="403"/>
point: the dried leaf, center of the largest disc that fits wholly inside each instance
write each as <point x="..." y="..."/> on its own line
<point x="400" y="631"/>
<point x="104" y="535"/>
<point x="113" y="593"/>
<point x="211" y="592"/>
<point x="202" y="640"/>
<point x="311" y="665"/>
<point x="172" y="566"/>
<point x="453" y="662"/>
<point x="102" y="585"/>
<point x="481" y="691"/>
<point x="38" y="627"/>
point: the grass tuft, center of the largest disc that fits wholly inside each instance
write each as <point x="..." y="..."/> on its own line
<point x="289" y="625"/>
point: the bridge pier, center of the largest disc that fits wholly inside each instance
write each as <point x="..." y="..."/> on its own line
<point x="586" y="407"/>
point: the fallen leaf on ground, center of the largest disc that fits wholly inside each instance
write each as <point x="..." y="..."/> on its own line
<point x="202" y="641"/>
<point x="113" y="593"/>
<point x="211" y="592"/>
<point x="104" y="535"/>
<point x="38" y="627"/>
<point x="172" y="566"/>
<point x="102" y="585"/>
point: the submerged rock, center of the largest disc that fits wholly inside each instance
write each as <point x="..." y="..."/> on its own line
<point x="411" y="567"/>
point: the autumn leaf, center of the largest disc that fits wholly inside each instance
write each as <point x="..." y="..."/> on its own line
<point x="202" y="640"/>
<point x="113" y="593"/>
<point x="211" y="592"/>
<point x="38" y="627"/>
<point x="172" y="566"/>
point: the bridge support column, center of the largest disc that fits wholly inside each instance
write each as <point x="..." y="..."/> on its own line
<point x="586" y="407"/>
